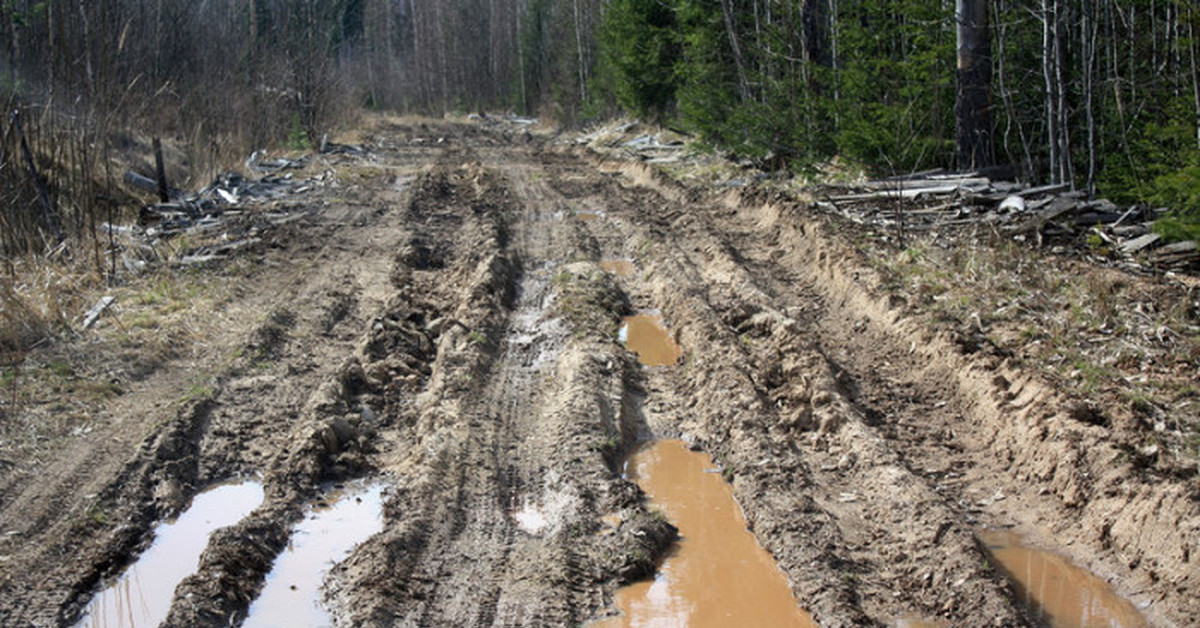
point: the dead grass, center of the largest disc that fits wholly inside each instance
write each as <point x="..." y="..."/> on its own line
<point x="40" y="299"/>
<point x="56" y="380"/>
<point x="1131" y="342"/>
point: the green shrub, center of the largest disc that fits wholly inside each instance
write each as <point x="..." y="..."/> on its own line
<point x="1179" y="191"/>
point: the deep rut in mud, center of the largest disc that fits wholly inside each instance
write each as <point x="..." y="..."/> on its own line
<point x="451" y="330"/>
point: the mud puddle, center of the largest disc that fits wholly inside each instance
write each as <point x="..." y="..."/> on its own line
<point x="645" y="335"/>
<point x="142" y="595"/>
<point x="618" y="267"/>
<point x="292" y="594"/>
<point x="1060" y="593"/>
<point x="717" y="575"/>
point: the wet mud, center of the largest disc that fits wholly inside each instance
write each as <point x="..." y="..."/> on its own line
<point x="458" y="334"/>
<point x="291" y="595"/>
<point x="645" y="335"/>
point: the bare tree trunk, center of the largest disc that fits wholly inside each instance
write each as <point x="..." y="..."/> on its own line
<point x="1087" y="40"/>
<point x="743" y="83"/>
<point x="1049" y="28"/>
<point x="253" y="22"/>
<point x="1064" y="127"/>
<point x="816" y="32"/>
<point x="424" y="76"/>
<point x="520" y="55"/>
<point x="87" y="49"/>
<point x="1006" y="95"/>
<point x="579" y="51"/>
<point x="974" y="107"/>
<point x="1195" y="76"/>
<point x="835" y="62"/>
<point x="493" y="48"/>
<point x="160" y="172"/>
<point x="441" y="47"/>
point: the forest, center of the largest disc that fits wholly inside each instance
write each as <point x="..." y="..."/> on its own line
<point x="1101" y="94"/>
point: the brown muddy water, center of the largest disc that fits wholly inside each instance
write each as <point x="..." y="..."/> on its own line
<point x="1062" y="594"/>
<point x="141" y="596"/>
<point x="645" y="335"/>
<point x="618" y="267"/>
<point x="292" y="594"/>
<point x="717" y="574"/>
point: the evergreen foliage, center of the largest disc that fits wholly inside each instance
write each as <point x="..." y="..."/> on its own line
<point x="1103" y="94"/>
<point x="640" y="45"/>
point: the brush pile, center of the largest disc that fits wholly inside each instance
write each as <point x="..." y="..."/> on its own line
<point x="231" y="213"/>
<point x="937" y="202"/>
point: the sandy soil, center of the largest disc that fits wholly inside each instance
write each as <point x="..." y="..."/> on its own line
<point x="439" y="320"/>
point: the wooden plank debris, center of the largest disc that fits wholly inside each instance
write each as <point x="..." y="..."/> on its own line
<point x="935" y="200"/>
<point x="1140" y="242"/>
<point x="93" y="315"/>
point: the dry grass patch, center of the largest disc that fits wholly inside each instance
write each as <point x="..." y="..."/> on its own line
<point x="40" y="299"/>
<point x="56" y="379"/>
<point x="1130" y="342"/>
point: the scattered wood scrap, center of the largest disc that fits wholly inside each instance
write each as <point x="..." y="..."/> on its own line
<point x="231" y="213"/>
<point x="230" y="192"/>
<point x="936" y="201"/>
<point x="91" y="316"/>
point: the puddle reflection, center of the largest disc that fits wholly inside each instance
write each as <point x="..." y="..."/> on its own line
<point x="1064" y="595"/>
<point x="141" y="596"/>
<point x="292" y="593"/>
<point x="717" y="575"/>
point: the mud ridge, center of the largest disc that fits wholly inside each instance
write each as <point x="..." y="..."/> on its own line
<point x="503" y="496"/>
<point x="1022" y="425"/>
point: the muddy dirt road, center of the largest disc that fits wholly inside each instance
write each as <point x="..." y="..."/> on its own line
<point x="440" y="323"/>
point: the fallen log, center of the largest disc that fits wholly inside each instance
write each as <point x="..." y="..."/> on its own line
<point x="908" y="184"/>
<point x="916" y="175"/>
<point x="1054" y="188"/>
<point x="93" y="315"/>
<point x="894" y="194"/>
<point x="140" y="181"/>
<point x="1178" y="250"/>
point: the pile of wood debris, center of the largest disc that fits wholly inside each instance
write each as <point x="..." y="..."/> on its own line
<point x="936" y="201"/>
<point x="231" y="213"/>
